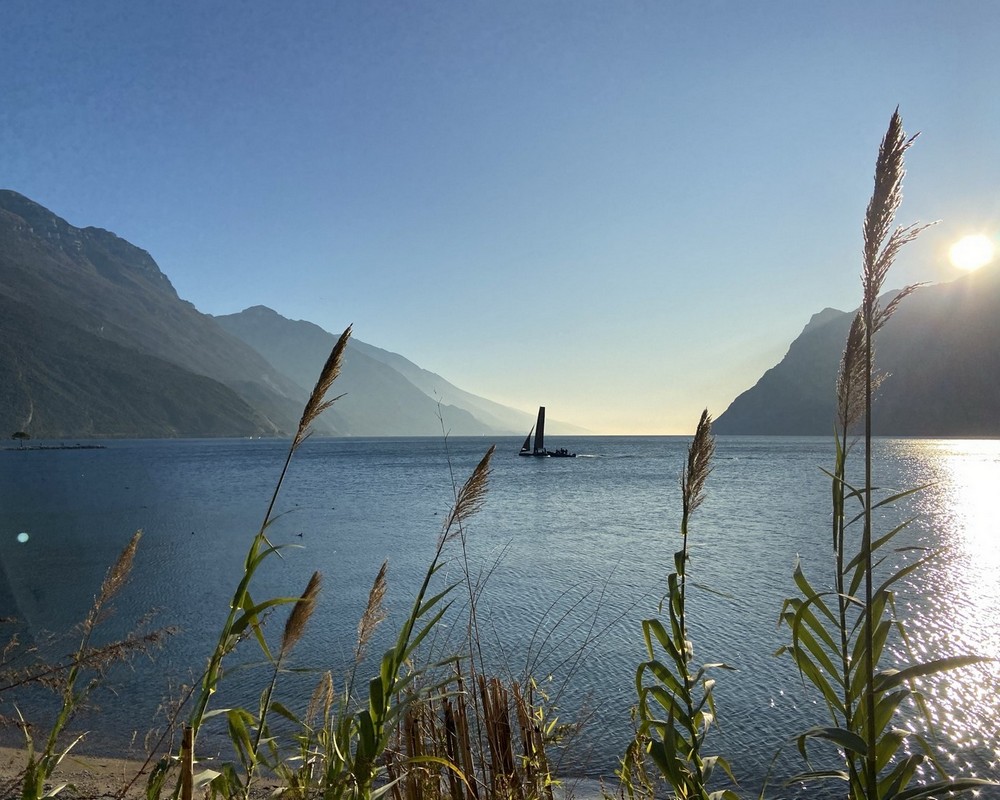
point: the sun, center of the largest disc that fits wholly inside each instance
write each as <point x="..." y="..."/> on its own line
<point x="972" y="252"/>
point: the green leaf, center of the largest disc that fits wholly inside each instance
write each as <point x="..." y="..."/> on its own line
<point x="886" y="706"/>
<point x="811" y="595"/>
<point x="902" y="573"/>
<point x="819" y="775"/>
<point x="841" y="737"/>
<point x="282" y="710"/>
<point x="900" y="776"/>
<point x="664" y="676"/>
<point x="891" y="678"/>
<point x="953" y="786"/>
<point x="887" y="746"/>
<point x="424" y="631"/>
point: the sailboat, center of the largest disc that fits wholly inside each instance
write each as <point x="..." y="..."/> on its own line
<point x="538" y="448"/>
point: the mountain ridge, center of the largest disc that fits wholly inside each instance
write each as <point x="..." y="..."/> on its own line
<point x="97" y="342"/>
<point x="940" y="350"/>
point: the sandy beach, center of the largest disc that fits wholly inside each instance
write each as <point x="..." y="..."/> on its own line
<point x="89" y="777"/>
<point x="101" y="778"/>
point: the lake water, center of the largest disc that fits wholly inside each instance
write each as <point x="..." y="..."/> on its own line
<point x="576" y="551"/>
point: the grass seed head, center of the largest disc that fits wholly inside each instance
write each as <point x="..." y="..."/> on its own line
<point x="881" y="246"/>
<point x="295" y="625"/>
<point x="699" y="464"/>
<point x="317" y="402"/>
<point x="374" y="612"/>
<point x="321" y="699"/>
<point x="470" y="498"/>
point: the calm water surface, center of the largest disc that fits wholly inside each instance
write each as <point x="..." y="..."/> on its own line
<point x="574" y="554"/>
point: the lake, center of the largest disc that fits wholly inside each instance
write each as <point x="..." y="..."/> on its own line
<point x="574" y="554"/>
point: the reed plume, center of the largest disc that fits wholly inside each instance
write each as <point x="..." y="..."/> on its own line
<point x="676" y="703"/>
<point x="68" y="678"/>
<point x="321" y="699"/>
<point x="470" y="498"/>
<point x="117" y="575"/>
<point x="698" y="466"/>
<point x="881" y="246"/>
<point x="295" y="625"/>
<point x="851" y="377"/>
<point x="318" y="402"/>
<point x="839" y="650"/>
<point x="880" y="250"/>
<point x="374" y="613"/>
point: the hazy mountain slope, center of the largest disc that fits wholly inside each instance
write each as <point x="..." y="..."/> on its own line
<point x="796" y="397"/>
<point x="941" y="350"/>
<point x="504" y="418"/>
<point x="92" y="280"/>
<point x="58" y="381"/>
<point x="377" y="400"/>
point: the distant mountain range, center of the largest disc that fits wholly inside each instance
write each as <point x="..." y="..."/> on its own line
<point x="384" y="393"/>
<point x="94" y="341"/>
<point x="941" y="350"/>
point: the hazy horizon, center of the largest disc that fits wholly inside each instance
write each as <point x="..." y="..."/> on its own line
<point x="623" y="212"/>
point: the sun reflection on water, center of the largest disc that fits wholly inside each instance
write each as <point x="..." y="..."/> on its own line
<point x="952" y="606"/>
<point x="970" y="513"/>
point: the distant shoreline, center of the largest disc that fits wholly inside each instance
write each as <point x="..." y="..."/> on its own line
<point x="56" y="447"/>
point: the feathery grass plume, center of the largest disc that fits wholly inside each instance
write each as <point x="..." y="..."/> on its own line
<point x="321" y="699"/>
<point x="470" y="498"/>
<point x="851" y="376"/>
<point x="317" y="402"/>
<point x="374" y="613"/>
<point x="698" y="466"/>
<point x="881" y="246"/>
<point x="295" y="625"/>
<point x="117" y="575"/>
<point x="880" y="249"/>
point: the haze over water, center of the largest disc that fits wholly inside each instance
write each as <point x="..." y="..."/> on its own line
<point x="577" y="553"/>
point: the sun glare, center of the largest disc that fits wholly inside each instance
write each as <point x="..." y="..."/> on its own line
<point x="972" y="252"/>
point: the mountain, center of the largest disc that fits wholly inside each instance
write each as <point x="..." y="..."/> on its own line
<point x="498" y="416"/>
<point x="941" y="350"/>
<point x="97" y="343"/>
<point x="377" y="400"/>
<point x="94" y="341"/>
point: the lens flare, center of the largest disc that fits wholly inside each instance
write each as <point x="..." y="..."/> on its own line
<point x="972" y="252"/>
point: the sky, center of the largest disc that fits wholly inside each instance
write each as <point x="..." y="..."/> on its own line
<point x="624" y="211"/>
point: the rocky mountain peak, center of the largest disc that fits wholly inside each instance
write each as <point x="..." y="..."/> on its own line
<point x="111" y="256"/>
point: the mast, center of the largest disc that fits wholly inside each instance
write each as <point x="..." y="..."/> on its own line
<point x="540" y="431"/>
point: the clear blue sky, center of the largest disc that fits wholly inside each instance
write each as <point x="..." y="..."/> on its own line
<point x="622" y="210"/>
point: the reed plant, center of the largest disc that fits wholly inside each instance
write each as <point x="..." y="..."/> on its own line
<point x="244" y="616"/>
<point x="437" y="755"/>
<point x="340" y="745"/>
<point x="73" y="679"/>
<point x="446" y="729"/>
<point x="343" y="747"/>
<point x="839" y="636"/>
<point x="676" y="708"/>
